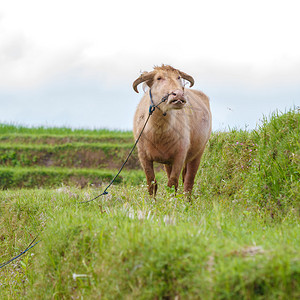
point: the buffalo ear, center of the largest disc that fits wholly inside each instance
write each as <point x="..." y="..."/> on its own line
<point x="145" y="77"/>
<point x="187" y="77"/>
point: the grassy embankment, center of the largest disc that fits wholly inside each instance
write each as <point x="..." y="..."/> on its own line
<point x="40" y="157"/>
<point x="239" y="237"/>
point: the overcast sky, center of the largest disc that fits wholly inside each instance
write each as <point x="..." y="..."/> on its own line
<point x="72" y="63"/>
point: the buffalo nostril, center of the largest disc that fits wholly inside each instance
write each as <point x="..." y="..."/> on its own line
<point x="177" y="93"/>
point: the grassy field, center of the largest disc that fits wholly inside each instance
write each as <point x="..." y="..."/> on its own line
<point x="238" y="237"/>
<point x="48" y="157"/>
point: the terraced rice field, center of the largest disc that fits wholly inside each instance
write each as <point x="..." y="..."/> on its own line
<point x="52" y="157"/>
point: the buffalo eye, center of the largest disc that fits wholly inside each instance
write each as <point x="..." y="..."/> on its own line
<point x="178" y="77"/>
<point x="158" y="78"/>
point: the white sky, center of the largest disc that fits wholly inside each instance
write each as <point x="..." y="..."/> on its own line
<point x="72" y="63"/>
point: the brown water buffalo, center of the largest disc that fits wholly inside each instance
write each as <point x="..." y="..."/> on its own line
<point x="177" y="132"/>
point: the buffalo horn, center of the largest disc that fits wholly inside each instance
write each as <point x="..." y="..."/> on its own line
<point x="187" y="77"/>
<point x="144" y="77"/>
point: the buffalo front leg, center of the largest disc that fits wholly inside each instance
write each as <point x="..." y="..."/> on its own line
<point x="150" y="176"/>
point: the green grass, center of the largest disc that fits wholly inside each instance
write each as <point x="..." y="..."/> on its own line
<point x="55" y="177"/>
<point x="57" y="139"/>
<point x="128" y="245"/>
<point x="75" y="155"/>
<point x="11" y="129"/>
<point x="237" y="238"/>
<point x="261" y="166"/>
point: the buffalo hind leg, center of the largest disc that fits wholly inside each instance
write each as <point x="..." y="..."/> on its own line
<point x="150" y="176"/>
<point x="176" y="168"/>
<point x="190" y="173"/>
<point x="168" y="169"/>
<point x="184" y="173"/>
<point x="171" y="181"/>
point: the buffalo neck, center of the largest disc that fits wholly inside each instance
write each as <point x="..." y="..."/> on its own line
<point x="162" y="123"/>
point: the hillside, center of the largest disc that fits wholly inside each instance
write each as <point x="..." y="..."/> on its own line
<point x="238" y="237"/>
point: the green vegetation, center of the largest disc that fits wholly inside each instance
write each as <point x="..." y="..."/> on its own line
<point x="57" y="139"/>
<point x="28" y="177"/>
<point x="7" y="129"/>
<point x="261" y="166"/>
<point x="76" y="155"/>
<point x="238" y="237"/>
<point x="49" y="157"/>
